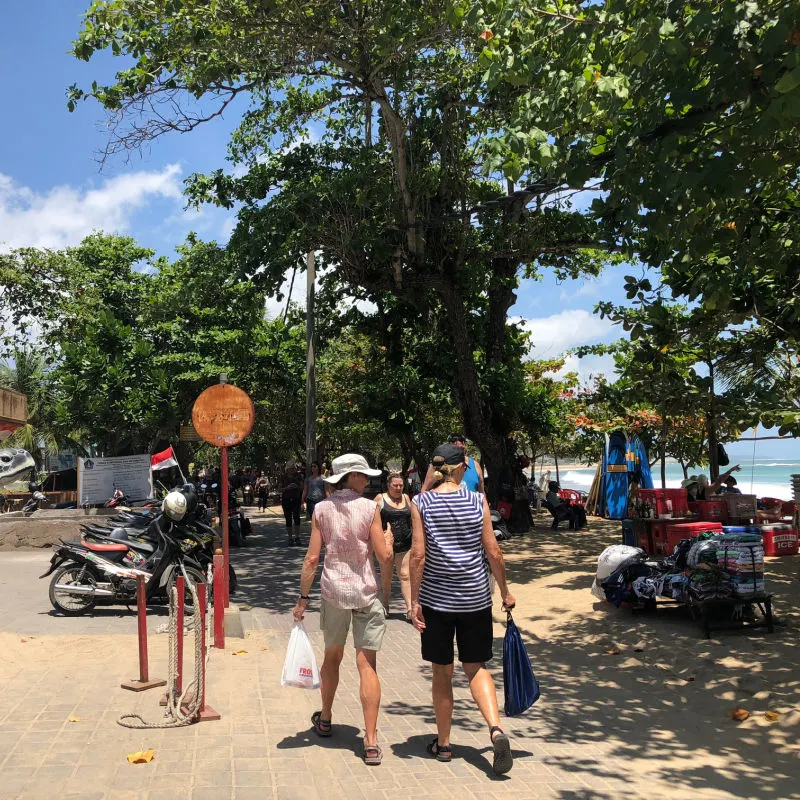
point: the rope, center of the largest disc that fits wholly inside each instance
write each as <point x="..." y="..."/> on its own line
<point x="175" y="716"/>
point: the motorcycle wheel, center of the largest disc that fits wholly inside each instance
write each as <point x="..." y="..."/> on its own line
<point x="73" y="605"/>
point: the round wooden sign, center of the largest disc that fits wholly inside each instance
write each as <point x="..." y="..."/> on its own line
<point x="223" y="415"/>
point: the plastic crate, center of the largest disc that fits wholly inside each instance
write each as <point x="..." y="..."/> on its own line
<point x="629" y="533"/>
<point x="665" y="542"/>
<point x="741" y="507"/>
<point x="780" y="540"/>
<point x="710" y="510"/>
<point x="657" y="500"/>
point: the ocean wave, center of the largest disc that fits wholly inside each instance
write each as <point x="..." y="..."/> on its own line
<point x="582" y="479"/>
<point x="778" y="464"/>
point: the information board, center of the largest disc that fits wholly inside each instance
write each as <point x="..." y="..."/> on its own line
<point x="99" y="477"/>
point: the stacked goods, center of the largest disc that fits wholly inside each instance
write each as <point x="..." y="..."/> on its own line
<point x="741" y="554"/>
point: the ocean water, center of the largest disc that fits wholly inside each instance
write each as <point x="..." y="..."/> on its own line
<point x="762" y="477"/>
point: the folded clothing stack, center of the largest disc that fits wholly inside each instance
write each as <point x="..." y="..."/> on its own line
<point x="710" y="583"/>
<point x="741" y="555"/>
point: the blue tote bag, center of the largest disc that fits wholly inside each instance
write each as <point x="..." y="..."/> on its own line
<point x="519" y="683"/>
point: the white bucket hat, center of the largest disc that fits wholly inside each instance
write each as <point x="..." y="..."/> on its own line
<point x="347" y="463"/>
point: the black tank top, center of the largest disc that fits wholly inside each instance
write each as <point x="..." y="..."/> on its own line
<point x="400" y="520"/>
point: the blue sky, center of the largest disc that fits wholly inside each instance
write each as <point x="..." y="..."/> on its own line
<point x="53" y="192"/>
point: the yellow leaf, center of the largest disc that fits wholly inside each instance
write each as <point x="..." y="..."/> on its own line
<point x="772" y="715"/>
<point x="141" y="757"/>
<point x="240" y="653"/>
<point x="738" y="714"/>
<point x="74" y="719"/>
<point x="665" y="348"/>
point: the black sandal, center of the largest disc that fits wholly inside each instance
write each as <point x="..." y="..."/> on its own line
<point x="443" y="753"/>
<point x="322" y="727"/>
<point x="503" y="760"/>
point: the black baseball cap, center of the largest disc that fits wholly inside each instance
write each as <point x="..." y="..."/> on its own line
<point x="449" y="454"/>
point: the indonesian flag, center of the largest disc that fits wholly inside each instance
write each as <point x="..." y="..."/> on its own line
<point x="164" y="460"/>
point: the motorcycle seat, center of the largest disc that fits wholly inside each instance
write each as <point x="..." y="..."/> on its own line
<point x="97" y="547"/>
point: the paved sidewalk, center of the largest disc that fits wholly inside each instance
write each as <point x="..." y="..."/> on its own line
<point x="599" y="731"/>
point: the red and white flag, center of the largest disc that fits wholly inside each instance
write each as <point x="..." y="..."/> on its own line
<point x="164" y="460"/>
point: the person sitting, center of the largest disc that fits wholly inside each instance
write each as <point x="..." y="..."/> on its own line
<point x="729" y="486"/>
<point x="560" y="509"/>
<point x="698" y="487"/>
<point x="769" y="509"/>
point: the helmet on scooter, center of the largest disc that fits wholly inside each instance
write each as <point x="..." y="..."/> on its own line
<point x="175" y="505"/>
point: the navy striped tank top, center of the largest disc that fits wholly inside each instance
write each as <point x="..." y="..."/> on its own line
<point x="455" y="578"/>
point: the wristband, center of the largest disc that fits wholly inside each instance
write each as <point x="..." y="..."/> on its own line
<point x="304" y="597"/>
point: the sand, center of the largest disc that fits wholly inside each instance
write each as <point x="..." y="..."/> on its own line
<point x="648" y="688"/>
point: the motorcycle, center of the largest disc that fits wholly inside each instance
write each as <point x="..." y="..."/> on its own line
<point x="117" y="499"/>
<point x="247" y="494"/>
<point x="37" y="499"/>
<point x="239" y="526"/>
<point x="86" y="570"/>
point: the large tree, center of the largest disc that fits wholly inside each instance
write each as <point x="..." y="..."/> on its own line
<point x="395" y="194"/>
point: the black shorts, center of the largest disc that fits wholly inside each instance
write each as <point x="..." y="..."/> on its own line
<point x="291" y="511"/>
<point x="472" y="631"/>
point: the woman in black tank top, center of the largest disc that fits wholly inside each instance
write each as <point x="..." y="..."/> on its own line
<point x="395" y="508"/>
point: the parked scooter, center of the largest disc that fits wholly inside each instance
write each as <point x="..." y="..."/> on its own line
<point x="37" y="500"/>
<point x="117" y="499"/>
<point x="239" y="526"/>
<point x="247" y="494"/>
<point x="86" y="570"/>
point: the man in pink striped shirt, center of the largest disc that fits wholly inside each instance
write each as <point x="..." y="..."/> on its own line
<point x="350" y="527"/>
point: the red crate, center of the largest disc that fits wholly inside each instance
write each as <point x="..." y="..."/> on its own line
<point x="780" y="540"/>
<point x="665" y="541"/>
<point x="644" y="539"/>
<point x="710" y="510"/>
<point x="657" y="500"/>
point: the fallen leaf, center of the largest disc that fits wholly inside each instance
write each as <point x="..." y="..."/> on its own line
<point x="738" y="714"/>
<point x="612" y="652"/>
<point x="772" y="715"/>
<point x="487" y="35"/>
<point x="265" y="649"/>
<point x="141" y="757"/>
<point x="240" y="653"/>
<point x="74" y="719"/>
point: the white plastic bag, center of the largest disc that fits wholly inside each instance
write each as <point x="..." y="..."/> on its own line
<point x="300" y="667"/>
<point x="611" y="559"/>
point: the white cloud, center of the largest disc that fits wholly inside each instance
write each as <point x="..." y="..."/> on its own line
<point x="64" y="215"/>
<point x="551" y="336"/>
<point x="589" y="368"/>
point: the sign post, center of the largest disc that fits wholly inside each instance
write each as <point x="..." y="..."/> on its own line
<point x="223" y="417"/>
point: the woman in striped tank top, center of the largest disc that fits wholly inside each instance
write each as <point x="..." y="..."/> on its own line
<point x="450" y="596"/>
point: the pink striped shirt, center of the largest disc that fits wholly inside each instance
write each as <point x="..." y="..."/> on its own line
<point x="348" y="577"/>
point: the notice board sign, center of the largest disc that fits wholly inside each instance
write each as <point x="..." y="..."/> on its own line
<point x="99" y="477"/>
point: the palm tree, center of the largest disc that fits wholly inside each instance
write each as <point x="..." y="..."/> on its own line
<point x="26" y="372"/>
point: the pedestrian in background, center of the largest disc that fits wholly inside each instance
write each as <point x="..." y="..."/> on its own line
<point x="261" y="490"/>
<point x="395" y="510"/>
<point x="349" y="526"/>
<point x="313" y="490"/>
<point x="291" y="493"/>
<point x="451" y="530"/>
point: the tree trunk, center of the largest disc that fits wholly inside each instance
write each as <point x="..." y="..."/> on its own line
<point x="664" y="428"/>
<point x="555" y="459"/>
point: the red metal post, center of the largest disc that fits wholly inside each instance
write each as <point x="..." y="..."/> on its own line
<point x="206" y="713"/>
<point x="141" y="613"/>
<point x="143" y="681"/>
<point x="225" y="540"/>
<point x="219" y="602"/>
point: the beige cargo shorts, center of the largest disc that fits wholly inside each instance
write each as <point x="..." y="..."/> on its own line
<point x="369" y="625"/>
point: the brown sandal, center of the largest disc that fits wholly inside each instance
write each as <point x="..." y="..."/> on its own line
<point x="373" y="755"/>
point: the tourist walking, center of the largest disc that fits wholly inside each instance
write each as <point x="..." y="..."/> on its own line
<point x="450" y="596"/>
<point x="291" y="492"/>
<point x="261" y="489"/>
<point x="349" y="526"/>
<point x="313" y="490"/>
<point x="395" y="511"/>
